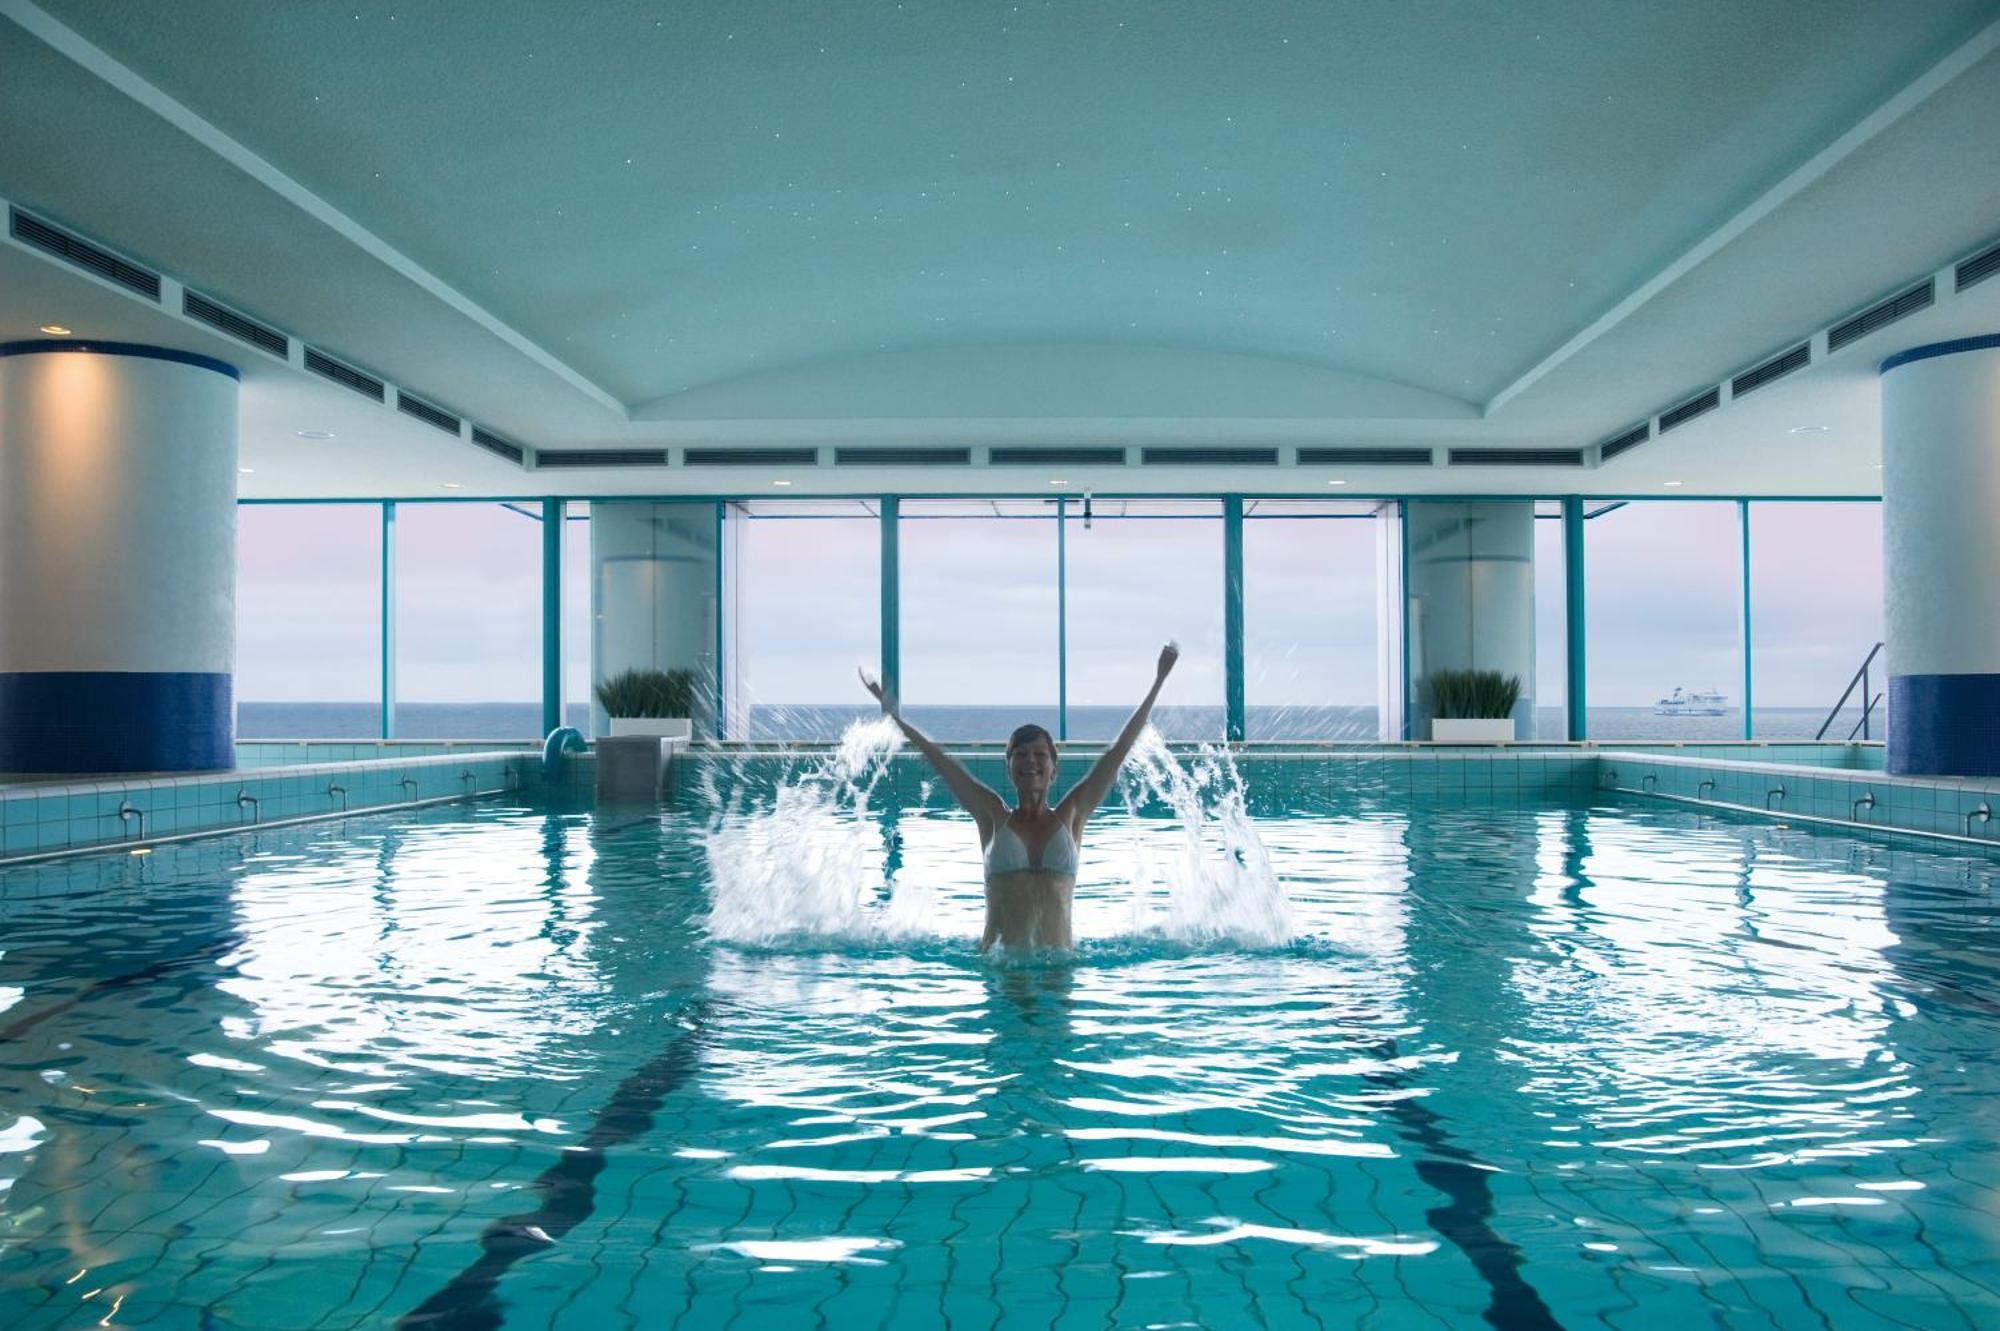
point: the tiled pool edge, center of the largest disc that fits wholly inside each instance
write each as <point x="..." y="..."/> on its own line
<point x="45" y="820"/>
<point x="1847" y="800"/>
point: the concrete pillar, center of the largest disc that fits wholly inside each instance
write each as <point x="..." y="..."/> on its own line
<point x="1472" y="597"/>
<point x="117" y="558"/>
<point x="1941" y="569"/>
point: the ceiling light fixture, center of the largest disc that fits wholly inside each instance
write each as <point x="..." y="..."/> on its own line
<point x="1808" y="429"/>
<point x="1058" y="482"/>
<point x="781" y="482"/>
<point x="1671" y="485"/>
<point x="245" y="471"/>
<point x="315" y="434"/>
<point x="449" y="485"/>
<point x="55" y="330"/>
<point x="1336" y="482"/>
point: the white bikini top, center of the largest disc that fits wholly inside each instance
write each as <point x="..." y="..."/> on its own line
<point x="1007" y="853"/>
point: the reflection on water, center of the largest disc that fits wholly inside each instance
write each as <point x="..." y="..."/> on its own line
<point x="1503" y="1063"/>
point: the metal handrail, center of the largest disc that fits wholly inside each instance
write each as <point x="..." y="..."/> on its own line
<point x="1861" y="726"/>
<point x="1868" y="700"/>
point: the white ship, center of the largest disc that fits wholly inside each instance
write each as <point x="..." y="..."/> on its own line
<point x="1701" y="702"/>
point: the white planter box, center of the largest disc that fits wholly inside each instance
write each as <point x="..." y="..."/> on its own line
<point x="652" y="727"/>
<point x="1464" y="730"/>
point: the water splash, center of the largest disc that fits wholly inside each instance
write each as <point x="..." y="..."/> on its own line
<point x="1220" y="886"/>
<point x="806" y="862"/>
<point x="805" y="859"/>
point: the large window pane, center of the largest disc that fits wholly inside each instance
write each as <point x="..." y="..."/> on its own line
<point x="308" y="621"/>
<point x="1551" y="692"/>
<point x="810" y="611"/>
<point x="468" y="621"/>
<point x="1310" y="612"/>
<point x="1663" y="590"/>
<point x="1815" y="611"/>
<point x="978" y="630"/>
<point x="1144" y="572"/>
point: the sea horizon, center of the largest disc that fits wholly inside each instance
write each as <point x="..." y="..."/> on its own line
<point x="521" y="721"/>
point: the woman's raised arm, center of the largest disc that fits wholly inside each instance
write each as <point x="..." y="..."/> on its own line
<point x="1081" y="802"/>
<point x="979" y="800"/>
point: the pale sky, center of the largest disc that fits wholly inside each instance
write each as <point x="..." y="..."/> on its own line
<point x="979" y="605"/>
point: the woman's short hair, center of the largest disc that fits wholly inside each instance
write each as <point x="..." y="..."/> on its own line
<point x="1028" y="734"/>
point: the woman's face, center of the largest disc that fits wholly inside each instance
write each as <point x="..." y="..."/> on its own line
<point x="1032" y="766"/>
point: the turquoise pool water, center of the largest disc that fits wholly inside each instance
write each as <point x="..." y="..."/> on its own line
<point x="1521" y="1067"/>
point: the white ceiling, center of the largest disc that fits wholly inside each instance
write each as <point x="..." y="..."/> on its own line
<point x="653" y="226"/>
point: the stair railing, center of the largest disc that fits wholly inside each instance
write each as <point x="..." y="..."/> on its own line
<point x="1869" y="699"/>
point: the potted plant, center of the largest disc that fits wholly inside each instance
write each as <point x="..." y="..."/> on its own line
<point x="653" y="704"/>
<point x="1473" y="706"/>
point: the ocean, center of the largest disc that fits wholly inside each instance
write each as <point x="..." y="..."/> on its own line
<point x="522" y="720"/>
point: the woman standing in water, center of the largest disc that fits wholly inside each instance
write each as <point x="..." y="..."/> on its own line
<point x="1031" y="850"/>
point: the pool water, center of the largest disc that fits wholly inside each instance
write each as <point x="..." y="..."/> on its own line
<point x="1520" y="1067"/>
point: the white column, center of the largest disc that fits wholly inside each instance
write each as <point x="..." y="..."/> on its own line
<point x="117" y="558"/>
<point x="1472" y="597"/>
<point x="1941" y="569"/>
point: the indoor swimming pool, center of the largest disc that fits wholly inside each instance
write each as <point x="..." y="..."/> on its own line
<point x="527" y="1063"/>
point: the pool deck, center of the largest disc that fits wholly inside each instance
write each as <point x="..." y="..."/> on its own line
<point x="1840" y="787"/>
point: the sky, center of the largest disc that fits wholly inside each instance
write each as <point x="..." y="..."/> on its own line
<point x="980" y="604"/>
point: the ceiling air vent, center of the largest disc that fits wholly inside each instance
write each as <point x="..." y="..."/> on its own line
<point x="1775" y="368"/>
<point x="425" y="412"/>
<point x="495" y="445"/>
<point x="1056" y="457"/>
<point x="1364" y="457"/>
<point x="1517" y="457"/>
<point x="236" y="325"/>
<point x="600" y="457"/>
<point x="1209" y="457"/>
<point x="80" y="253"/>
<point x="1688" y="410"/>
<point x="1631" y="439"/>
<point x="1919" y="297"/>
<point x="902" y="457"/>
<point x="1978" y="268"/>
<point x="750" y="457"/>
<point x="345" y="375"/>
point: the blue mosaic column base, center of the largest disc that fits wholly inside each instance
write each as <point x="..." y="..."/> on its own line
<point x="1944" y="725"/>
<point x="115" y="721"/>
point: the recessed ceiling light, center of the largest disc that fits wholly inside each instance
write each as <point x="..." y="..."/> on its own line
<point x="1336" y="482"/>
<point x="1671" y="485"/>
<point x="449" y="485"/>
<point x="1808" y="429"/>
<point x="245" y="470"/>
<point x="1058" y="482"/>
<point x="781" y="482"/>
<point x="315" y="434"/>
<point x="55" y="330"/>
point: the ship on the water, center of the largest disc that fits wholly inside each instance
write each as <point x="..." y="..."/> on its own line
<point x="1701" y="702"/>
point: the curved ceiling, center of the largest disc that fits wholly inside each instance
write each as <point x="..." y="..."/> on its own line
<point x="636" y="224"/>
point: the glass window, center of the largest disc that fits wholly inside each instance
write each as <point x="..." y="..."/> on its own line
<point x="1142" y="572"/>
<point x="809" y="611"/>
<point x="577" y="617"/>
<point x="978" y="601"/>
<point x="1551" y="691"/>
<point x="1815" y="613"/>
<point x="308" y="621"/>
<point x="1663" y="592"/>
<point x="1311" y="605"/>
<point x="468" y="621"/>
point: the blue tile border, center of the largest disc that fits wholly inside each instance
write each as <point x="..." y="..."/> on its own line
<point x="47" y="818"/>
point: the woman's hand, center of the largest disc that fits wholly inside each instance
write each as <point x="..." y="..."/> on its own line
<point x="1168" y="655"/>
<point x="874" y="687"/>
